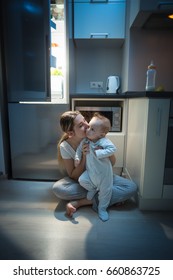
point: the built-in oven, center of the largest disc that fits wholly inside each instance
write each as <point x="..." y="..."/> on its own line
<point x="114" y="114"/>
<point x="168" y="175"/>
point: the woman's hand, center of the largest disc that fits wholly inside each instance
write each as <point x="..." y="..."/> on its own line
<point x="112" y="159"/>
<point x="75" y="170"/>
<point x="72" y="171"/>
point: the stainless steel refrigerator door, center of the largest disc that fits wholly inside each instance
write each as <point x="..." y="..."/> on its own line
<point x="27" y="49"/>
<point x="34" y="133"/>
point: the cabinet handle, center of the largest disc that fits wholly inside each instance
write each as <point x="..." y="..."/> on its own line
<point x="98" y="1"/>
<point x="99" y="35"/>
<point x="158" y="124"/>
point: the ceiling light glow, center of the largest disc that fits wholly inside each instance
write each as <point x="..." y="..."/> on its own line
<point x="170" y="16"/>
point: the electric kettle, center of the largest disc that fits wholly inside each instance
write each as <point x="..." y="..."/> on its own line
<point x="112" y="84"/>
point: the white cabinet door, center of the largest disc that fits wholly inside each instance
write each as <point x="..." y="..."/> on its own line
<point x="156" y="139"/>
<point x="136" y="140"/>
<point x="146" y="144"/>
<point x="99" y="20"/>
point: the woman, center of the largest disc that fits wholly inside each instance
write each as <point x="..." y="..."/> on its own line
<point x="74" y="127"/>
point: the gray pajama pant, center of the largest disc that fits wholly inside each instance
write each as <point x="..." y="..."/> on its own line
<point x="98" y="177"/>
<point x="69" y="190"/>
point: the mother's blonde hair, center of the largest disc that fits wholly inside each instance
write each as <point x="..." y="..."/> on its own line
<point x="67" y="124"/>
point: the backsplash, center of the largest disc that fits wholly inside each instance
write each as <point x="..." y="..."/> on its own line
<point x="96" y="64"/>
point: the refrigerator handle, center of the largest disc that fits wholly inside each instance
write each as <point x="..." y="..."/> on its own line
<point x="47" y="78"/>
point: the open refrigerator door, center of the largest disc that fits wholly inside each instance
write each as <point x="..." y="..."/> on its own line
<point x="58" y="52"/>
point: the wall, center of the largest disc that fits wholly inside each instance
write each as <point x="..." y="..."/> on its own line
<point x="96" y="64"/>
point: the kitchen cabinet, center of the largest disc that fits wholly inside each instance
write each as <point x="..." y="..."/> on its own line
<point x="99" y="19"/>
<point x="168" y="173"/>
<point x="146" y="149"/>
<point x="141" y="10"/>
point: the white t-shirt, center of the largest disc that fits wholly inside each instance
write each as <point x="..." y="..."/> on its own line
<point x="67" y="152"/>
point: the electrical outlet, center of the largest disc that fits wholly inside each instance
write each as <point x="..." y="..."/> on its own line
<point x="96" y="84"/>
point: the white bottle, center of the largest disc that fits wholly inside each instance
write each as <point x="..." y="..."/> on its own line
<point x="151" y="77"/>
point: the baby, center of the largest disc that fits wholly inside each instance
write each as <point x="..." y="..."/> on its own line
<point x="98" y="176"/>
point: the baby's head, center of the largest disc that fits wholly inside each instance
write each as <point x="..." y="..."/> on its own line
<point x="99" y="126"/>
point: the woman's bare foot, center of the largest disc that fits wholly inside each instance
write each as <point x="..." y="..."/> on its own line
<point x="72" y="206"/>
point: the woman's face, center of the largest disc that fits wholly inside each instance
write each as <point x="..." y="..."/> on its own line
<point x="80" y="126"/>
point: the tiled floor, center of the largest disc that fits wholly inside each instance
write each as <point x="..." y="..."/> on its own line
<point x="33" y="225"/>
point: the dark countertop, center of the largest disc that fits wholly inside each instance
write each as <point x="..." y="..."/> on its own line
<point x="149" y="94"/>
<point x="128" y="94"/>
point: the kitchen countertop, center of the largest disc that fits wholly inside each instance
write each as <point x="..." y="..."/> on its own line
<point x="127" y="94"/>
<point x="149" y="94"/>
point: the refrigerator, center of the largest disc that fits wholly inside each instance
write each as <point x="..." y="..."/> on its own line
<point x="34" y="133"/>
<point x="34" y="108"/>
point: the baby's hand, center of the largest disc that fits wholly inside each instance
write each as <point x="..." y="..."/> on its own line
<point x="85" y="148"/>
<point x="98" y="148"/>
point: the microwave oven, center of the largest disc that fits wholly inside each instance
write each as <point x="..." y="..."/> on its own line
<point x="114" y="114"/>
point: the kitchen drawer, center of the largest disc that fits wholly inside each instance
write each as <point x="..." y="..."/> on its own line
<point x="99" y="21"/>
<point x="118" y="140"/>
